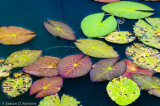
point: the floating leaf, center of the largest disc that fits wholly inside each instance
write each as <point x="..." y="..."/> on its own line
<point x="133" y="69"/>
<point x="74" y="66"/>
<point x="5" y="70"/>
<point x="123" y="91"/>
<point x="128" y="9"/>
<point x="152" y="84"/>
<point x="145" y="57"/>
<point x="93" y="26"/>
<point x="46" y="86"/>
<point x="14" y="87"/>
<point x="44" y="66"/>
<point x="107" y="69"/>
<point x="12" y="35"/>
<point x="96" y="48"/>
<point x="59" y="29"/>
<point x="23" y="58"/>
<point x="68" y="101"/>
<point x="2" y="60"/>
<point x="149" y="34"/>
<point x="120" y="37"/>
<point x="107" y="1"/>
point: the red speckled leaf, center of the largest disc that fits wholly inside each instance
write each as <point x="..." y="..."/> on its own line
<point x="74" y="66"/>
<point x="45" y="66"/>
<point x="59" y="29"/>
<point x="13" y="35"/>
<point x="46" y="86"/>
<point x="107" y="1"/>
<point x="134" y="69"/>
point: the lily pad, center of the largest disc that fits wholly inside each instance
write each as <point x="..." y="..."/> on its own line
<point x="59" y="29"/>
<point x="46" y="86"/>
<point x="128" y="9"/>
<point x="152" y="84"/>
<point x="74" y="66"/>
<point x="5" y="70"/>
<point x="149" y="34"/>
<point x="107" y="1"/>
<point x="13" y="35"/>
<point x="14" y="87"/>
<point x="107" y="69"/>
<point x="23" y="58"/>
<point x="123" y="91"/>
<point x="44" y="66"/>
<point x="120" y="37"/>
<point x="96" y="48"/>
<point x="144" y="56"/>
<point x="93" y="26"/>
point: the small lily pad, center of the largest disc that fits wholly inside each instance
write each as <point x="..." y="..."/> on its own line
<point x="74" y="66"/>
<point x="107" y="1"/>
<point x="5" y="70"/>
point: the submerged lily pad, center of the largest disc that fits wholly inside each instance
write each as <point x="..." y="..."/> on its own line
<point x="96" y="48"/>
<point x="128" y="9"/>
<point x="74" y="66"/>
<point x="123" y="91"/>
<point x="120" y="37"/>
<point x="13" y="35"/>
<point x="46" y="86"/>
<point x="23" y="58"/>
<point x="59" y="29"/>
<point x="149" y="34"/>
<point x="44" y="66"/>
<point x="107" y="1"/>
<point x="144" y="56"/>
<point x="93" y="26"/>
<point x="14" y="87"/>
<point x="5" y="70"/>
<point x="152" y="84"/>
<point x="107" y="69"/>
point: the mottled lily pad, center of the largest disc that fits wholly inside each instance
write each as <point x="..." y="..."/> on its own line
<point x="96" y="48"/>
<point x="149" y="34"/>
<point x="120" y="37"/>
<point x="128" y="9"/>
<point x="44" y="66"/>
<point x="93" y="26"/>
<point x="13" y="35"/>
<point x="152" y="84"/>
<point x="133" y="69"/>
<point x="59" y="29"/>
<point x="14" y="87"/>
<point x="107" y="69"/>
<point x="107" y="1"/>
<point x="74" y="66"/>
<point x="2" y="60"/>
<point x="5" y="70"/>
<point x="123" y="91"/>
<point x="144" y="56"/>
<point x="23" y="58"/>
<point x="46" y="86"/>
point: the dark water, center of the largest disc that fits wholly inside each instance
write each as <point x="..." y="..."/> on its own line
<point x="32" y="13"/>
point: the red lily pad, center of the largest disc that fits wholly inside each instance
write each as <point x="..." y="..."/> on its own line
<point x="134" y="69"/>
<point x="74" y="66"/>
<point x="46" y="86"/>
<point x="44" y="66"/>
<point x="107" y="1"/>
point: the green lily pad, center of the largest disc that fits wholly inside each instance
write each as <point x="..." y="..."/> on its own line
<point x="120" y="37"/>
<point x="123" y="91"/>
<point x="23" y="58"/>
<point x="128" y="9"/>
<point x="149" y="34"/>
<point x="144" y="56"/>
<point x="96" y="48"/>
<point x="5" y="70"/>
<point x="93" y="26"/>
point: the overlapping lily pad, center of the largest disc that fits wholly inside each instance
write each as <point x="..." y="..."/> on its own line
<point x="148" y="33"/>
<point x="59" y="29"/>
<point x="44" y="66"/>
<point x="74" y="66"/>
<point x="107" y="1"/>
<point x="5" y="70"/>
<point x="46" y="86"/>
<point x="96" y="48"/>
<point x="107" y="69"/>
<point x="93" y="26"/>
<point x="128" y="9"/>
<point x="120" y="37"/>
<point x="13" y="35"/>
<point x="123" y="91"/>
<point x="23" y="58"/>
<point x="144" y="56"/>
